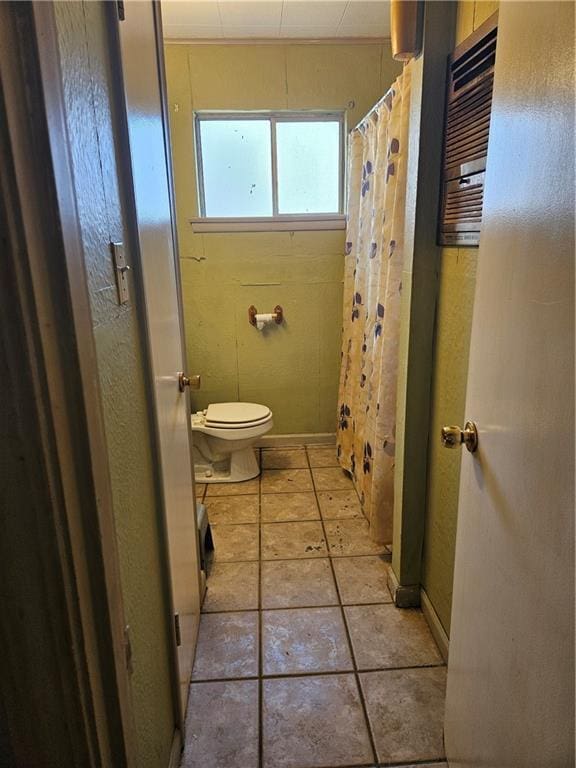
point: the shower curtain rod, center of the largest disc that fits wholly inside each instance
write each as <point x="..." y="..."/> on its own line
<point x="371" y="110"/>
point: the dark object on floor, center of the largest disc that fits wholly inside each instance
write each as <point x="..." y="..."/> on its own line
<point x="204" y="535"/>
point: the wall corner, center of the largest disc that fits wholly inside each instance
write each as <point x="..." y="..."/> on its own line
<point x="420" y="287"/>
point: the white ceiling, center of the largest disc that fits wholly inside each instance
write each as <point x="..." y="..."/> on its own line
<point x="263" y="19"/>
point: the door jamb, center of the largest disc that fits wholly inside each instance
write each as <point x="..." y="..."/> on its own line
<point x="125" y="166"/>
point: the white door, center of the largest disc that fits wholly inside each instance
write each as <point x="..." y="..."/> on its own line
<point x="148" y="135"/>
<point x="510" y="698"/>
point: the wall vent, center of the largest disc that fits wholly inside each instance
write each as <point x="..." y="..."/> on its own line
<point x="466" y="132"/>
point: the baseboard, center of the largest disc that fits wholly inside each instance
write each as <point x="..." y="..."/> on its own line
<point x="281" y="441"/>
<point x="438" y="631"/>
<point x="403" y="596"/>
<point x="176" y="750"/>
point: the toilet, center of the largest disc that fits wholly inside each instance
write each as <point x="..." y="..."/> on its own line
<point x="223" y="438"/>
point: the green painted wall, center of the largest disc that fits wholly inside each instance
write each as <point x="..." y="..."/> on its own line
<point x="450" y="370"/>
<point x="88" y="78"/>
<point x="294" y="369"/>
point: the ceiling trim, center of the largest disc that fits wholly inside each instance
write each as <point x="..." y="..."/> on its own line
<point x="276" y="40"/>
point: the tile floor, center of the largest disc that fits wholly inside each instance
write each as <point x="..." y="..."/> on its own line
<point x="302" y="660"/>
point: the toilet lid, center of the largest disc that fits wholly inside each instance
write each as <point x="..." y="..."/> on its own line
<point x="242" y="414"/>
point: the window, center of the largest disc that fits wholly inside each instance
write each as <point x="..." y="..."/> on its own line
<point x="270" y="170"/>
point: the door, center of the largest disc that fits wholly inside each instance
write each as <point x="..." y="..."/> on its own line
<point x="510" y="697"/>
<point x="142" y="64"/>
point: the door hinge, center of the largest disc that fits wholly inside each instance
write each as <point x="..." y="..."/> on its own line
<point x="128" y="648"/>
<point x="121" y="10"/>
<point x="177" y="629"/>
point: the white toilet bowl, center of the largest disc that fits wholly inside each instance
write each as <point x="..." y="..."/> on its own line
<point x="223" y="436"/>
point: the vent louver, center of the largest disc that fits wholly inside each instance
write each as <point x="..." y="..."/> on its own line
<point x="466" y="132"/>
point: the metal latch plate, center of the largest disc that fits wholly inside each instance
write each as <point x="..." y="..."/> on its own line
<point x="121" y="269"/>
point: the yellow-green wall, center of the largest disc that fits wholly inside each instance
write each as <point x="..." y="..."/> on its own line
<point x="450" y="369"/>
<point x="88" y="79"/>
<point x="293" y="369"/>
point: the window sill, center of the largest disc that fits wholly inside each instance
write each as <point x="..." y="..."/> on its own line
<point x="270" y="223"/>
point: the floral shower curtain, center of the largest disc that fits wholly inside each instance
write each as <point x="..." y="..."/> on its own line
<point x="372" y="291"/>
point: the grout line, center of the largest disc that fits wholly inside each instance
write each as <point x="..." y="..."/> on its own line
<point x="213" y="496"/>
<point x="314" y="557"/>
<point x="260" y="643"/>
<point x="313" y="673"/>
<point x="294" y="520"/>
<point x="356" y="765"/>
<point x="306" y="607"/>
<point x="410" y="763"/>
<point x="254" y="521"/>
<point x="348" y="638"/>
<point x="311" y="466"/>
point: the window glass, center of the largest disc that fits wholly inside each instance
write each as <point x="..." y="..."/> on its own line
<point x="269" y="165"/>
<point x="236" y="167"/>
<point x="308" y="166"/>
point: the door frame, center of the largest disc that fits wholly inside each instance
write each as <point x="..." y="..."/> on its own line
<point x="58" y="352"/>
<point x="132" y="227"/>
<point x="144" y="319"/>
<point x="54" y="365"/>
<point x="163" y="86"/>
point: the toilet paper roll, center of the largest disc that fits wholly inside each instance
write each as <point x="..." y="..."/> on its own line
<point x="266" y="319"/>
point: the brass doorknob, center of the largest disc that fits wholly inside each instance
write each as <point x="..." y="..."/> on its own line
<point x="453" y="437"/>
<point x="188" y="381"/>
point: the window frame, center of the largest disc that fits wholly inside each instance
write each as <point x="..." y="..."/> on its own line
<point x="277" y="221"/>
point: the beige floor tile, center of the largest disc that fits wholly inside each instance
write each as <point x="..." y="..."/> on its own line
<point x="284" y="458"/>
<point x="297" y="583"/>
<point x="331" y="479"/>
<point x="200" y="488"/>
<point x="233" y="489"/>
<point x="278" y="507"/>
<point x="222" y="725"/>
<point x="235" y="542"/>
<point x="362" y="579"/>
<point x="227" y="510"/>
<point x="301" y="640"/>
<point x="287" y="541"/>
<point x="232" y="587"/>
<point x="312" y="722"/>
<point x="386" y="636"/>
<point x="351" y="537"/>
<point x="286" y="480"/>
<point x="227" y="646"/>
<point x="322" y="455"/>
<point x="335" y="505"/>
<point x="406" y="711"/>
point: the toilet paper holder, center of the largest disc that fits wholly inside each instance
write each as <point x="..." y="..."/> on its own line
<point x="278" y="314"/>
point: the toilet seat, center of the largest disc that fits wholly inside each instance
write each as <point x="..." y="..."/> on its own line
<point x="233" y="421"/>
<point x="236" y="415"/>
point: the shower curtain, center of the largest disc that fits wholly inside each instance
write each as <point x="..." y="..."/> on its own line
<point x="372" y="292"/>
